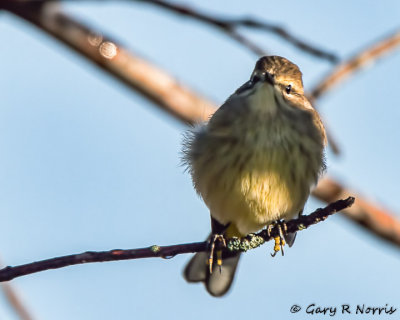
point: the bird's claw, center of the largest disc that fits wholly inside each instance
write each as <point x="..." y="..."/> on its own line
<point x="280" y="238"/>
<point x="216" y="241"/>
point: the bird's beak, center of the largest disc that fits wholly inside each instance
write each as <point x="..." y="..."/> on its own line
<point x="269" y="78"/>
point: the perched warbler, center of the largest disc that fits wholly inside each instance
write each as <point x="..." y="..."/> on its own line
<point x="255" y="161"/>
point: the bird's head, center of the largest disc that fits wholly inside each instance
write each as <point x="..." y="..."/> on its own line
<point x="279" y="72"/>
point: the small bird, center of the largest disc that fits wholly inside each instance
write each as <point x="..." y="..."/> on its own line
<point x="254" y="162"/>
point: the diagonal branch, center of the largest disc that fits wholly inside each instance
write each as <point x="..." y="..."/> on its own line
<point x="347" y="68"/>
<point x="375" y="219"/>
<point x="135" y="72"/>
<point x="15" y="301"/>
<point x="234" y="244"/>
<point x="360" y="60"/>
<point x="159" y="87"/>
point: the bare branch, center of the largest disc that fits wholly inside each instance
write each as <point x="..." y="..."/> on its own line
<point x="132" y="70"/>
<point x="377" y="220"/>
<point x="246" y="42"/>
<point x="351" y="66"/>
<point x="362" y="59"/>
<point x="155" y="251"/>
<point x="15" y="301"/>
<point x="230" y="26"/>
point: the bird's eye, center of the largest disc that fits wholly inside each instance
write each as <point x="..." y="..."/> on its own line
<point x="288" y="88"/>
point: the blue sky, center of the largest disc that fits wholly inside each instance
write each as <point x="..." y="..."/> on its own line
<point x="86" y="164"/>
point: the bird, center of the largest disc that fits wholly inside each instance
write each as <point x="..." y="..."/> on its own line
<point x="254" y="162"/>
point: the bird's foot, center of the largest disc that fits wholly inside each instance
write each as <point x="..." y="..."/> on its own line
<point x="280" y="238"/>
<point x="217" y="242"/>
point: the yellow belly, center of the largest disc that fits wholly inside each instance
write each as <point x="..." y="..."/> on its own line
<point x="266" y="188"/>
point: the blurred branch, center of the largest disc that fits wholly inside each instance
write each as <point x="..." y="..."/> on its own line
<point x="376" y="220"/>
<point x="230" y="26"/>
<point x="152" y="82"/>
<point x="362" y="59"/>
<point x="15" y="302"/>
<point x="235" y="244"/>
<point x="347" y="68"/>
<point x="139" y="75"/>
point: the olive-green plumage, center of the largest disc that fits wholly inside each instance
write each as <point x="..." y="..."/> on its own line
<point x="256" y="159"/>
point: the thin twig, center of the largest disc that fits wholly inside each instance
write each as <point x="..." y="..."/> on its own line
<point x="230" y="26"/>
<point x="153" y="83"/>
<point x="253" y="241"/>
<point x="360" y="60"/>
<point x="155" y="251"/>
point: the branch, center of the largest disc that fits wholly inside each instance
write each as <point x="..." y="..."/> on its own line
<point x="153" y="83"/>
<point x="230" y="26"/>
<point x="357" y="62"/>
<point x="15" y="301"/>
<point x="374" y="219"/>
<point x="347" y="68"/>
<point x="155" y="251"/>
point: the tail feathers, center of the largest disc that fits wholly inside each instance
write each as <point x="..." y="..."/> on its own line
<point x="195" y="270"/>
<point x="219" y="281"/>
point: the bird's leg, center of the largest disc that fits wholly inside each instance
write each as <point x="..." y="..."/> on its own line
<point x="217" y="242"/>
<point x="280" y="238"/>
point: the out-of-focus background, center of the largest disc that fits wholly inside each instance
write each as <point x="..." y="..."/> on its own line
<point x="87" y="164"/>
